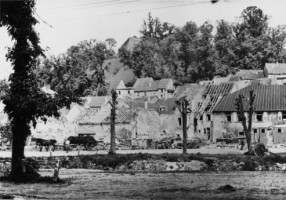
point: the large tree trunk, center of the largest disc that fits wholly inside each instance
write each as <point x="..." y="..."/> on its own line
<point x="184" y="116"/>
<point x="20" y="132"/>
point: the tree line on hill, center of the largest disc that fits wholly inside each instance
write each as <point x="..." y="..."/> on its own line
<point x="192" y="53"/>
<point x="187" y="54"/>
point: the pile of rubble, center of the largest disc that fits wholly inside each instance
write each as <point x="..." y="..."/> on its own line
<point x="161" y="166"/>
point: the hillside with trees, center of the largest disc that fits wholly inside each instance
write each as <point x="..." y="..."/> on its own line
<point x="199" y="52"/>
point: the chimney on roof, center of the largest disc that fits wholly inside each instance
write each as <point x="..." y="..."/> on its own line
<point x="146" y="104"/>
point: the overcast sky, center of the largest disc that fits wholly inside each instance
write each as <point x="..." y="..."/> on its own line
<point x="67" y="22"/>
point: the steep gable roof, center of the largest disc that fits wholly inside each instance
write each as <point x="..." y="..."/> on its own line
<point x="163" y="83"/>
<point x="276" y="68"/>
<point x="145" y="84"/>
<point x="98" y="101"/>
<point x="130" y="43"/>
<point x="127" y="76"/>
<point x="268" y="98"/>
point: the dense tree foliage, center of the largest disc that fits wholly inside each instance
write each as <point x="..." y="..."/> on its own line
<point x="193" y="53"/>
<point x="80" y="69"/>
<point x="25" y="101"/>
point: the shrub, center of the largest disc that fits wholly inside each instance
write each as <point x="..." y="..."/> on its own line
<point x="250" y="165"/>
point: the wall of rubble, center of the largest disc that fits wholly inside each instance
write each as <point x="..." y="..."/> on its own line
<point x="150" y="125"/>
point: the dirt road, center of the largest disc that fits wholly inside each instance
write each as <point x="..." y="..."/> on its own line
<point x="90" y="184"/>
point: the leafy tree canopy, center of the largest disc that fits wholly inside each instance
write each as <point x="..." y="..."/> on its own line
<point x="80" y="69"/>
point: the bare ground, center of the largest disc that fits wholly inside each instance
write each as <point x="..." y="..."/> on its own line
<point x="92" y="184"/>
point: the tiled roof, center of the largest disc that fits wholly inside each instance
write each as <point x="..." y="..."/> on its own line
<point x="249" y="74"/>
<point x="163" y="83"/>
<point x="137" y="104"/>
<point x="268" y="98"/>
<point x="130" y="43"/>
<point x="148" y="84"/>
<point x="164" y="106"/>
<point x="145" y="84"/>
<point x="180" y="89"/>
<point x="276" y="68"/>
<point x="97" y="101"/>
<point x="126" y="75"/>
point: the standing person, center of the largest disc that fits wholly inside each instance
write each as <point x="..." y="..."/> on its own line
<point x="67" y="145"/>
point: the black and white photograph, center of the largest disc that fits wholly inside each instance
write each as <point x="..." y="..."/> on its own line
<point x="143" y="99"/>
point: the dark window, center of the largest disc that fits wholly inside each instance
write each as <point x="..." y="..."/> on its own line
<point x="263" y="130"/>
<point x="208" y="107"/>
<point x="259" y="117"/>
<point x="241" y="133"/>
<point x="228" y="117"/>
<point x="180" y="121"/>
<point x="128" y="91"/>
<point x="283" y="115"/>
<point x="209" y="133"/>
<point x="162" y="108"/>
<point x="255" y="130"/>
<point x="208" y="117"/>
<point x="201" y="117"/>
<point x="118" y="92"/>
<point x="279" y="130"/>
<point x="161" y="90"/>
<point x="195" y="124"/>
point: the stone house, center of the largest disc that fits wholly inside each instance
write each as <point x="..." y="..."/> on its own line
<point x="202" y="99"/>
<point x="96" y="122"/>
<point x="268" y="119"/>
<point x="276" y="71"/>
<point x="123" y="91"/>
<point x="147" y="87"/>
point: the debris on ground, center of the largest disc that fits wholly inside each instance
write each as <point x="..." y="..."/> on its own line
<point x="227" y="188"/>
<point x="162" y="166"/>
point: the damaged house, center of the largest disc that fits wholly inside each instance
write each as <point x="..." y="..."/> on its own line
<point x="203" y="100"/>
<point x="268" y="120"/>
<point x="96" y="122"/>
